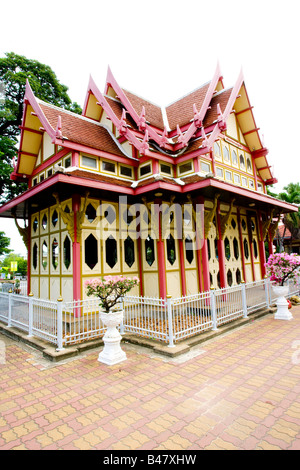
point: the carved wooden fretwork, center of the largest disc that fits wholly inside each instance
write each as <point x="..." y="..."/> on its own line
<point x="266" y="225"/>
<point x="80" y="216"/>
<point x="67" y="217"/>
<point x="273" y="228"/>
<point x="24" y="232"/>
<point x="224" y="220"/>
<point x="209" y="216"/>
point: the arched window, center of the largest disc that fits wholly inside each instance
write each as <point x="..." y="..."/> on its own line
<point x="44" y="255"/>
<point x="54" y="218"/>
<point x="217" y="150"/>
<point x="149" y="250"/>
<point x="54" y="253"/>
<point x="238" y="276"/>
<point x="234" y="157"/>
<point x="111" y="252"/>
<point x="91" y="251"/>
<point x="110" y="214"/>
<point x="171" y="250"/>
<point x="227" y="249"/>
<point x="242" y="161"/>
<point x="35" y="256"/>
<point x="208" y="249"/>
<point x="189" y="252"/>
<point x="129" y="251"/>
<point x="226" y="154"/>
<point x="229" y="278"/>
<point x="90" y="213"/>
<point x="255" y="251"/>
<point x="67" y="252"/>
<point x="35" y="225"/>
<point x="216" y="248"/>
<point x="44" y="222"/>
<point x="249" y="165"/>
<point x="236" y="248"/>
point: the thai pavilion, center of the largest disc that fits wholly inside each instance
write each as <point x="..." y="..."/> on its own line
<point x="108" y="191"/>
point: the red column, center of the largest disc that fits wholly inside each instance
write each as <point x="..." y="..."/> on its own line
<point x="205" y="283"/>
<point x="140" y="261"/>
<point x="221" y="250"/>
<point x="76" y="251"/>
<point x="162" y="278"/>
<point x="182" y="268"/>
<point x="202" y="257"/>
<point x="29" y="255"/>
<point x="241" y="244"/>
<point x="261" y="244"/>
<point x="251" y="246"/>
<point x="270" y="239"/>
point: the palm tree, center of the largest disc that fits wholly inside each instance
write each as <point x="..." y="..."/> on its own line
<point x="291" y="220"/>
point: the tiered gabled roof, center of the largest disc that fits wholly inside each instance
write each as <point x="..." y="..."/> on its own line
<point x="194" y="121"/>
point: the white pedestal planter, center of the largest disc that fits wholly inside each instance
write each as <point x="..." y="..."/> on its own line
<point x="282" y="312"/>
<point x="112" y="352"/>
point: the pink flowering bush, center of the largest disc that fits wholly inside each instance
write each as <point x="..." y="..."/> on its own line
<point x="282" y="266"/>
<point x="110" y="289"/>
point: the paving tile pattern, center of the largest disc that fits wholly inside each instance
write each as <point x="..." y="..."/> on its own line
<point x="242" y="391"/>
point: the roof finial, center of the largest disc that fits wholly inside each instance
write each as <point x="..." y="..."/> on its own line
<point x="164" y="138"/>
<point x="122" y="127"/>
<point x="221" y="120"/>
<point x="142" y="120"/>
<point x="205" y="142"/>
<point x="197" y="120"/>
<point x="180" y="134"/>
<point x="58" y="132"/>
<point x="144" y="144"/>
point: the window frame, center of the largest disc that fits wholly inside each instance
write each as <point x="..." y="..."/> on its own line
<point x="90" y="158"/>
<point x="143" y="166"/>
<point x="182" y="173"/>
<point x="108" y="172"/>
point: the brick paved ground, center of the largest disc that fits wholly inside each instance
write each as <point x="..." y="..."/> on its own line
<point x="240" y="391"/>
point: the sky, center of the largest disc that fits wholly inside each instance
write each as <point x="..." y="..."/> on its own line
<point x="162" y="50"/>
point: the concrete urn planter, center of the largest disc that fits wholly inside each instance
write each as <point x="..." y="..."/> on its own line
<point x="112" y="352"/>
<point x="282" y="312"/>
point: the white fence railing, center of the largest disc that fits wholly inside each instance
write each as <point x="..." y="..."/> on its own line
<point x="169" y="320"/>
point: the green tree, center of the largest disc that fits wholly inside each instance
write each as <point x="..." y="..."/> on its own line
<point x="291" y="220"/>
<point x="4" y="244"/>
<point x="22" y="262"/>
<point x="14" y="70"/>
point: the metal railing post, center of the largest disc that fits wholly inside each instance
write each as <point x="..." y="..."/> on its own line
<point x="9" y="307"/>
<point x="59" y="325"/>
<point x="30" y="314"/>
<point x="170" y="321"/>
<point x="266" y="284"/>
<point x="244" y="299"/>
<point x="122" y="321"/>
<point x="213" y="309"/>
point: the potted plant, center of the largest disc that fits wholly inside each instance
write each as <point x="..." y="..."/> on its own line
<point x="282" y="267"/>
<point x="17" y="288"/>
<point x="110" y="290"/>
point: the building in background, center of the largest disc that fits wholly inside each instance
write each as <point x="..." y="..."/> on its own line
<point x="175" y="196"/>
